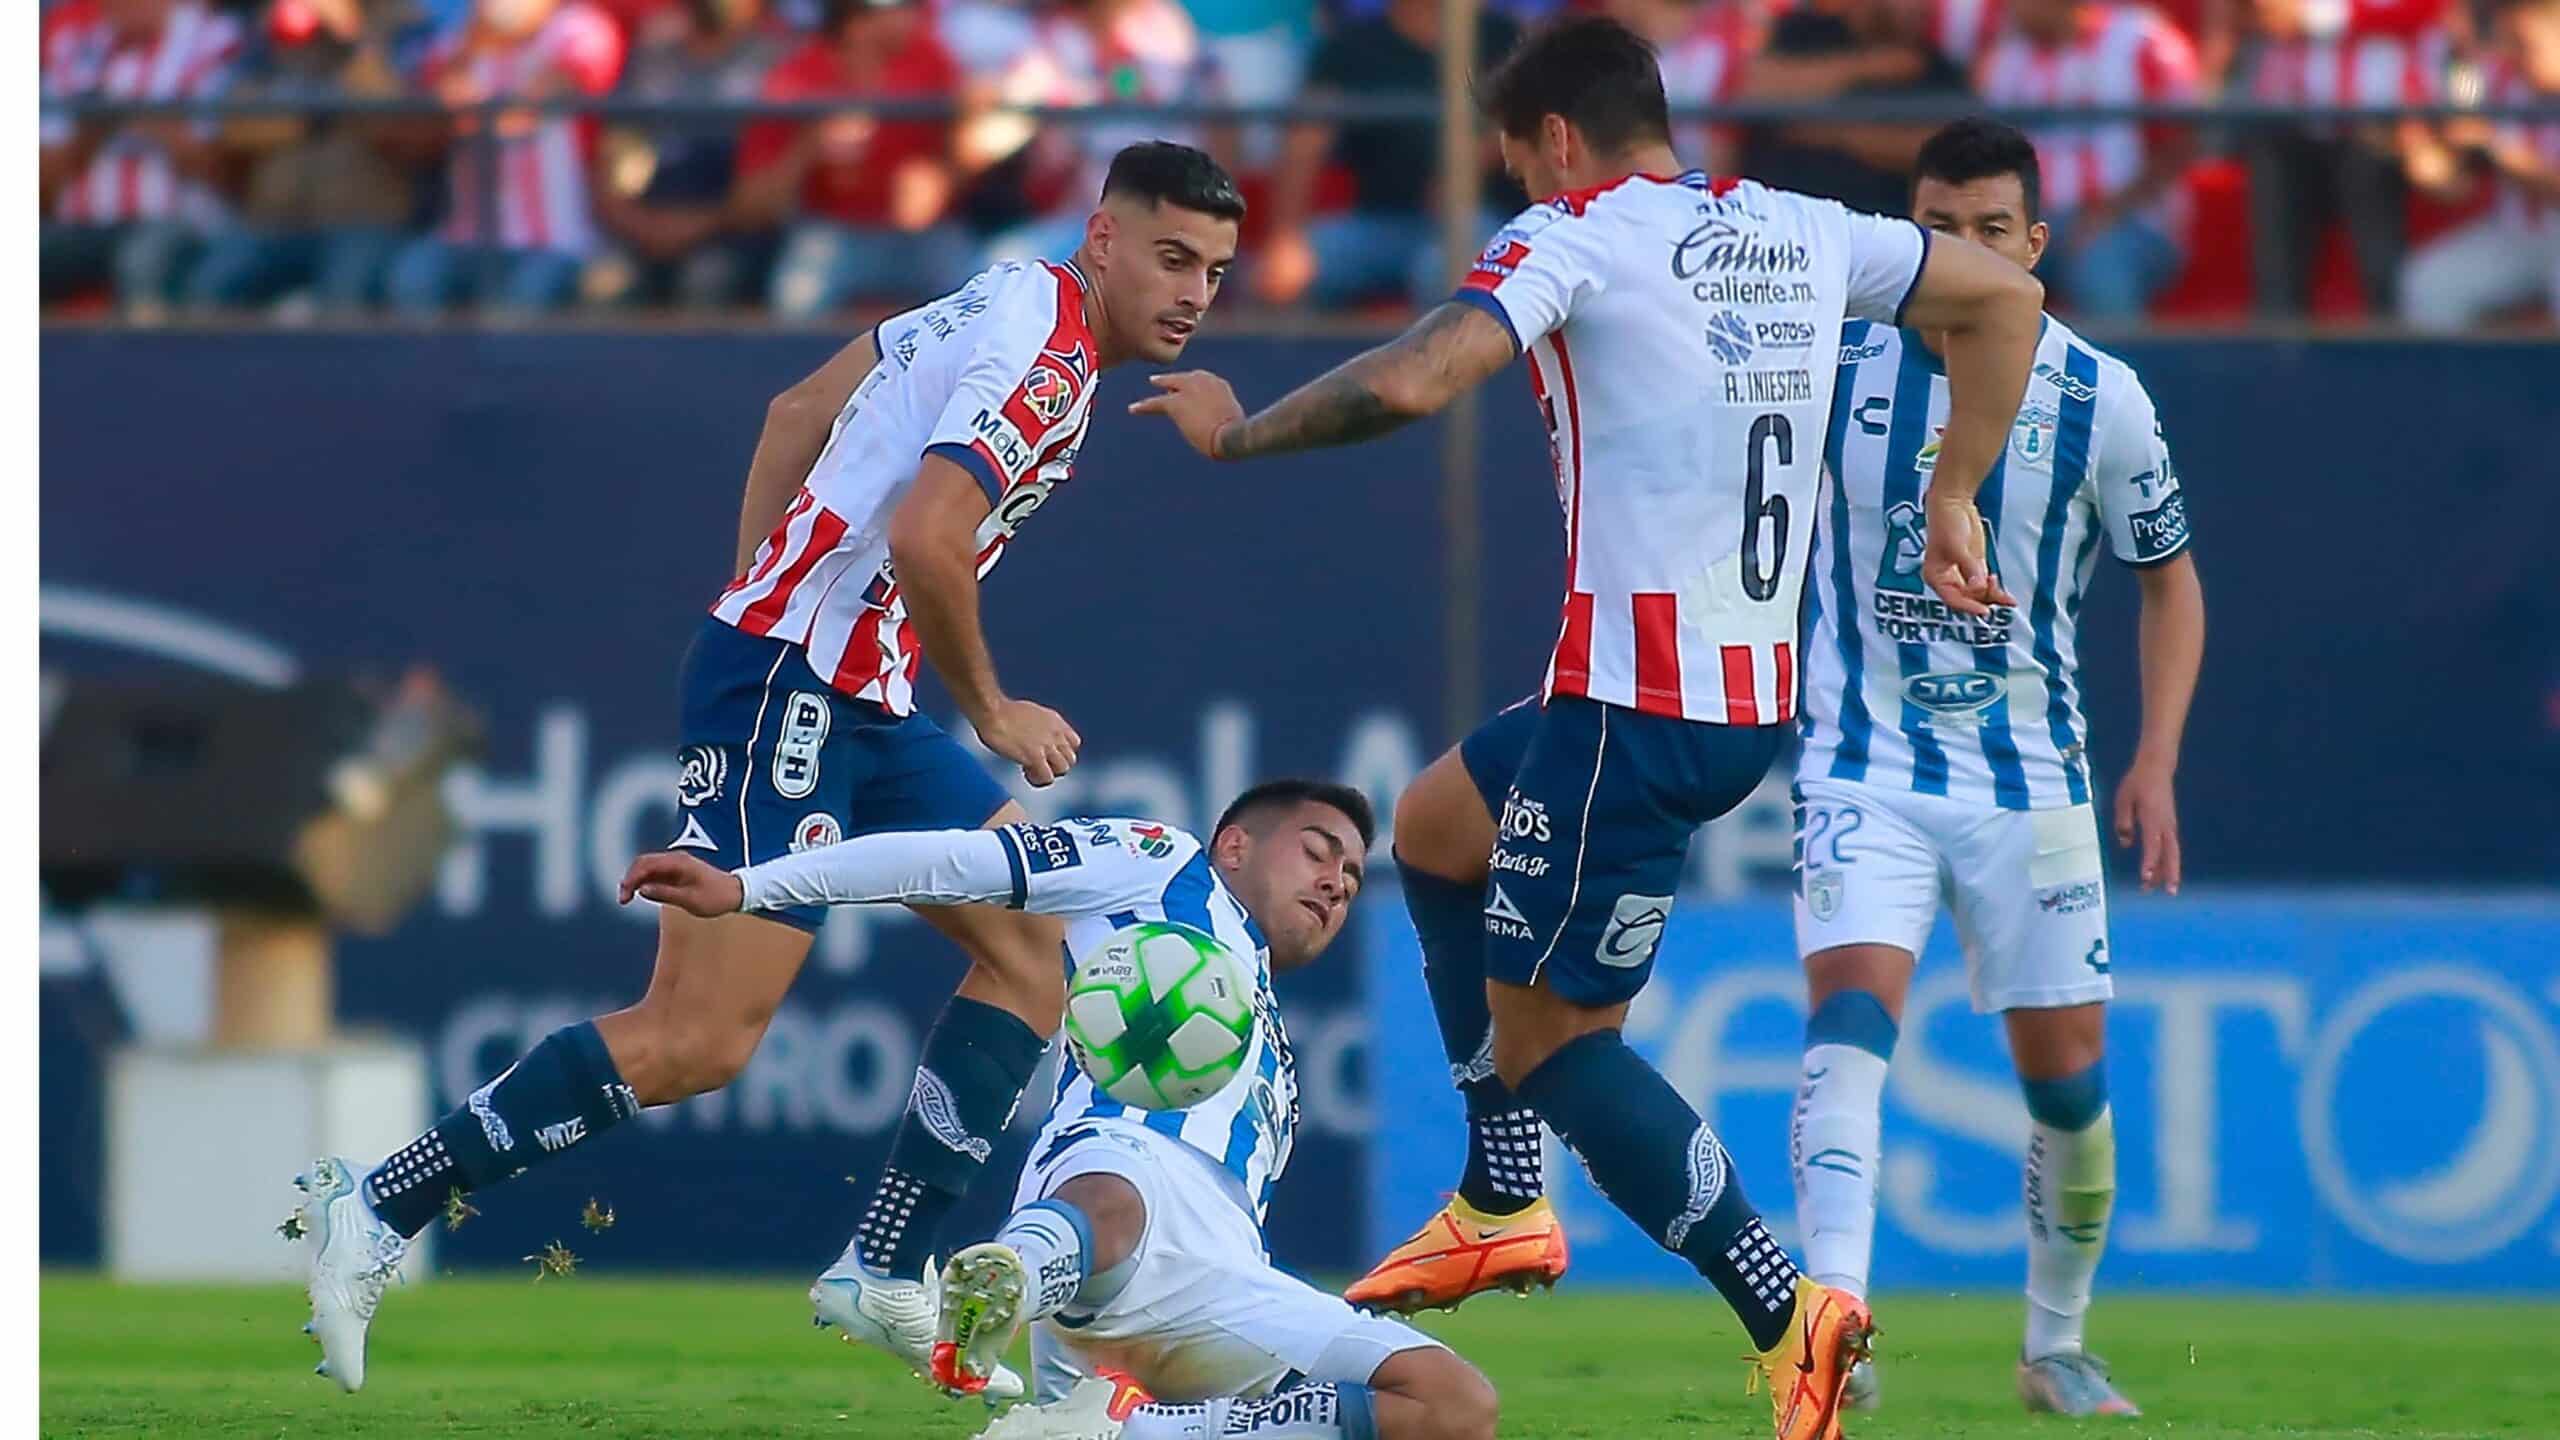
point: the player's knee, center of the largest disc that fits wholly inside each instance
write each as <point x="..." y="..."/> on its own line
<point x="666" y="1057"/>
<point x="1451" y="1399"/>
<point x="1441" y="827"/>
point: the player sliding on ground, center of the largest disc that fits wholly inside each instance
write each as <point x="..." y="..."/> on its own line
<point x="1680" y="332"/>
<point x="1138" y="1234"/>
<point x="883" y="487"/>
<point x="1944" y="762"/>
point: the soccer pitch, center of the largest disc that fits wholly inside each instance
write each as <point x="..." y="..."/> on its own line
<point x="604" y="1355"/>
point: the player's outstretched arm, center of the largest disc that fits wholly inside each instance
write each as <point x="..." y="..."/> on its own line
<point x="1989" y="313"/>
<point x="2171" y="645"/>
<point x="1446" y="352"/>
<point x="933" y="544"/>
<point x="906" y="867"/>
<point x="795" y="431"/>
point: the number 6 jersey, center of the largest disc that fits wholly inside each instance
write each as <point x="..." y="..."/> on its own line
<point x="1681" y="336"/>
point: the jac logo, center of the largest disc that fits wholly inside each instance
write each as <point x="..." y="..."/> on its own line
<point x="1958" y="692"/>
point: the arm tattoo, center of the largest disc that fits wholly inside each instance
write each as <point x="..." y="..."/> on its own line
<point x="1428" y="364"/>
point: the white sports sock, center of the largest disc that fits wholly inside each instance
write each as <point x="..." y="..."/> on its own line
<point x="2071" y="1192"/>
<point x="1049" y="1236"/>
<point x="1303" y="1412"/>
<point x="1835" y="1144"/>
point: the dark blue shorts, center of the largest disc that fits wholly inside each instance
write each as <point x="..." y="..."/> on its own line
<point x="774" y="759"/>
<point x="1595" y="806"/>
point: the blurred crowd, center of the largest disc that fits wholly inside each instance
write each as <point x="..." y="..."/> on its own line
<point x="2443" y="224"/>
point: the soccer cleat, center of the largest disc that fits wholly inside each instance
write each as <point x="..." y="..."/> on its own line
<point x="1865" y="1390"/>
<point x="1095" y="1409"/>
<point x="353" y="1256"/>
<point x="1462" y="1252"/>
<point x="2071" y="1384"/>
<point x="898" y="1316"/>
<point x="1808" y="1371"/>
<point x="978" y="1314"/>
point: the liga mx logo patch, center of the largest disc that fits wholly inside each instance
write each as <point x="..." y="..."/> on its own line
<point x="1047" y="393"/>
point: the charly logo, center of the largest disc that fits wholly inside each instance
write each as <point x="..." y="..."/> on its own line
<point x="2493" y="1058"/>
<point x="700" y="772"/>
<point x="1634" y="929"/>
<point x="805" y="719"/>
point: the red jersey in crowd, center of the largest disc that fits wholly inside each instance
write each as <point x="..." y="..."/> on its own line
<point x="2121" y="55"/>
<point x="849" y="176"/>
<point x="541" y="185"/>
<point x="130" y="177"/>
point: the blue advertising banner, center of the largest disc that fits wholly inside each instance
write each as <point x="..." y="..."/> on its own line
<point x="544" y="517"/>
<point x="2311" y="1091"/>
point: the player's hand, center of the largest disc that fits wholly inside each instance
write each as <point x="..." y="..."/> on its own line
<point x="2147" y="813"/>
<point x="1957" y="564"/>
<point x="689" y="883"/>
<point x="1034" y="737"/>
<point x="1198" y="403"/>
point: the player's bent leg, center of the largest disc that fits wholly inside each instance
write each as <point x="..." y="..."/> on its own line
<point x="1048" y="1255"/>
<point x="2070" y="1198"/>
<point x="1497" y="1231"/>
<point x="712" y="991"/>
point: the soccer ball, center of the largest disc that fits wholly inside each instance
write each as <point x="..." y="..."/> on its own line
<point x="1161" y="1015"/>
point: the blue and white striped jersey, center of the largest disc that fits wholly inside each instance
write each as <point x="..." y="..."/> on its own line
<point x="1902" y="691"/>
<point x="1099" y="875"/>
<point x="1105" y="874"/>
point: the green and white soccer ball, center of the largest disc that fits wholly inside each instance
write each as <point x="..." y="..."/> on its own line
<point x="1161" y="1015"/>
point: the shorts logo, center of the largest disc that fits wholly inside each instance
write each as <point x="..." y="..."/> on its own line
<point x="815" y="829"/>
<point x="805" y="718"/>
<point x="1525" y="819"/>
<point x="693" y="836"/>
<point x="1634" y="931"/>
<point x="2096" y="959"/>
<point x="700" y="772"/>
<point x="1503" y="918"/>
<point x="1532" y="866"/>
<point x="1822" y="892"/>
<point x="2078" y="897"/>
<point x="1046" y="847"/>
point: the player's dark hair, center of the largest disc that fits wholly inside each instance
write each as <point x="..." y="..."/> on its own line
<point x="1979" y="148"/>
<point x="1163" y="173"/>
<point x="1595" y="72"/>
<point x="1272" y="794"/>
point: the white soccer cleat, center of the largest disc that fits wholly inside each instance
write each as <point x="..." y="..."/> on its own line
<point x="1085" y="1414"/>
<point x="1865" y="1390"/>
<point x="979" y="1312"/>
<point x="353" y="1256"/>
<point x="897" y="1316"/>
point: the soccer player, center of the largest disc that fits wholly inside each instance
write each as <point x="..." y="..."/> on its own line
<point x="882" y="488"/>
<point x="1138" y="1234"/>
<point x="1944" y="761"/>
<point x="1680" y="332"/>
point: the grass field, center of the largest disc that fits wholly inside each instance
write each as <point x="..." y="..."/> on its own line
<point x="617" y="1357"/>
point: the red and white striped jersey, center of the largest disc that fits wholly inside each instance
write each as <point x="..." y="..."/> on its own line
<point x="130" y="177"/>
<point x="1681" y="336"/>
<point x="542" y="184"/>
<point x="2123" y="55"/>
<point x="2368" y="52"/>
<point x="996" y="377"/>
<point x="1704" y="66"/>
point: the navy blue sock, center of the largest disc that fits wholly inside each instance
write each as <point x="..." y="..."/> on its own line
<point x="976" y="1061"/>
<point x="563" y="1091"/>
<point x="1657" y="1162"/>
<point x="1503" y="1172"/>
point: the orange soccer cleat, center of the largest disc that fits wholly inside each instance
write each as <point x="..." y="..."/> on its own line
<point x="1462" y="1252"/>
<point x="1806" y="1371"/>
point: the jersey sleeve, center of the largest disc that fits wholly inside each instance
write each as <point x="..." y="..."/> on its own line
<point x="1536" y="271"/>
<point x="1009" y="409"/>
<point x="1886" y="260"/>
<point x="1084" y="866"/>
<point x="2138" y="495"/>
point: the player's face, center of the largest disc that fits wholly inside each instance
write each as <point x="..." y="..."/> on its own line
<point x="1298" y="874"/>
<point x="1161" y="267"/>
<point x="1990" y="212"/>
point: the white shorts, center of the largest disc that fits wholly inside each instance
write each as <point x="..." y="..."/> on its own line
<point x="2028" y="888"/>
<point x="1201" y="1311"/>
